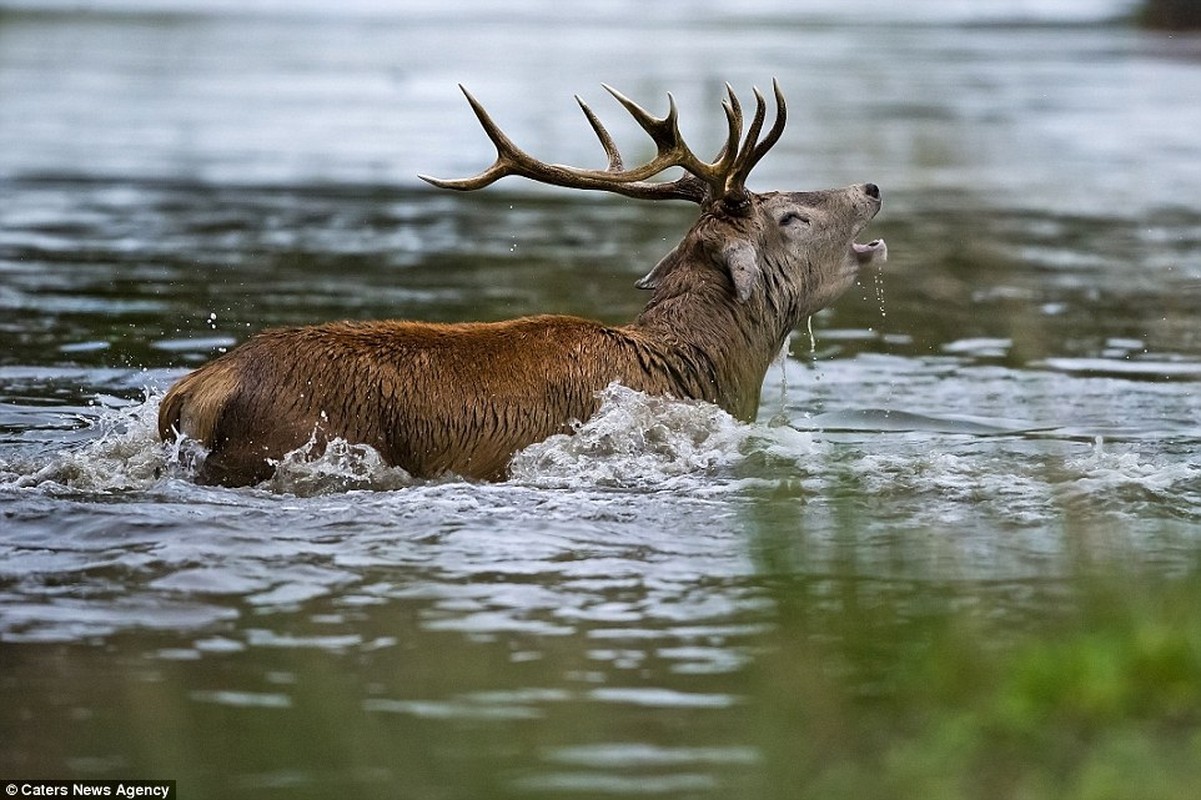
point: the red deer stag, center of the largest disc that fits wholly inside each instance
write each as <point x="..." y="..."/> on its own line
<point x="463" y="398"/>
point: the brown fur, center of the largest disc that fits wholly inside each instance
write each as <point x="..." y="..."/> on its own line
<point x="430" y="398"/>
<point x="462" y="398"/>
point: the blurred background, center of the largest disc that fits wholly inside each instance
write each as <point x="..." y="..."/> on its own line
<point x="1064" y="105"/>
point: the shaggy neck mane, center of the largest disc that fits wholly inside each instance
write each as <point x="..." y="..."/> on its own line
<point x="692" y="313"/>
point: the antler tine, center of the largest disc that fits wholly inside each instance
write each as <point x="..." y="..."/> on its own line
<point x="611" y="151"/>
<point x="752" y="134"/>
<point x="729" y="149"/>
<point x="754" y="151"/>
<point x="665" y="132"/>
<point x="673" y="151"/>
<point x="777" y="128"/>
<point x="737" y="176"/>
<point x="507" y="153"/>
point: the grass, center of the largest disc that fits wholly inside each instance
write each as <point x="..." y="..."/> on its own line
<point x="898" y="689"/>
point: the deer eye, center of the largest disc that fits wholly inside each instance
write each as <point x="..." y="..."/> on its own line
<point x="793" y="218"/>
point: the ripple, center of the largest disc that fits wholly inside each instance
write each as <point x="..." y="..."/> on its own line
<point x="640" y="754"/>
<point x="242" y="699"/>
<point x="430" y="709"/>
<point x="1134" y="369"/>
<point x="653" y="697"/>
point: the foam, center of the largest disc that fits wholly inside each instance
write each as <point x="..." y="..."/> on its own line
<point x="644" y="443"/>
<point x="639" y="441"/>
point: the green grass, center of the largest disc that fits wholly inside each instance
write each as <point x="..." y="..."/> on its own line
<point x="899" y="689"/>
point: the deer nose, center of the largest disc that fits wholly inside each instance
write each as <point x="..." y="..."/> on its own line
<point x="872" y="190"/>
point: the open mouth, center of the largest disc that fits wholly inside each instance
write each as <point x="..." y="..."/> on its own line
<point x="874" y="252"/>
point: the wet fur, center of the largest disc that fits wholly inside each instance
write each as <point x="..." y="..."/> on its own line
<point x="462" y="398"/>
<point x="430" y="398"/>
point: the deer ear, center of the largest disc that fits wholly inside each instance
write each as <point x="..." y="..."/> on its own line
<point x="742" y="261"/>
<point x="651" y="279"/>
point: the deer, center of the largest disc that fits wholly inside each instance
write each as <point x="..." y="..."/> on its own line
<point x="461" y="399"/>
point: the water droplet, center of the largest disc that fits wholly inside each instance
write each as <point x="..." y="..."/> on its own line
<point x="781" y="417"/>
<point x="817" y="376"/>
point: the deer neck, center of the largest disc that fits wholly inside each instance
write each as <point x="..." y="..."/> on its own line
<point x="694" y="318"/>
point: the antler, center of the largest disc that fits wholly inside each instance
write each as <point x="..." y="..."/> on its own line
<point x="702" y="181"/>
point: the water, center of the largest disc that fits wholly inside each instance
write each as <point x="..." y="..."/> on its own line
<point x="669" y="603"/>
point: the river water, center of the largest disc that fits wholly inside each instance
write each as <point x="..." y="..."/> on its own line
<point x="1018" y="390"/>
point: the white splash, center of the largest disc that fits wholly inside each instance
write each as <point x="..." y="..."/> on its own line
<point x="1104" y="474"/>
<point x="645" y="443"/>
<point x="637" y="440"/>
<point x="338" y="467"/>
<point x="634" y="440"/>
<point x="124" y="454"/>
